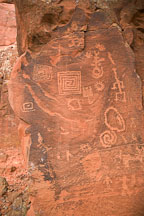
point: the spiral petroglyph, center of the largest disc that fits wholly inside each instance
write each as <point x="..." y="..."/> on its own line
<point x="108" y="138"/>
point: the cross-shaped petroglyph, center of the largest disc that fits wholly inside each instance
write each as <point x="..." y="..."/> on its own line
<point x="98" y="69"/>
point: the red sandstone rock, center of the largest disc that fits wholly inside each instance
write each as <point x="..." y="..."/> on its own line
<point x="8" y="55"/>
<point x="8" y="122"/>
<point x="13" y="198"/>
<point x="7" y="25"/>
<point x="78" y="98"/>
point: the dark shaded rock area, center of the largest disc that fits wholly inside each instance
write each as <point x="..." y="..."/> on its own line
<point x="12" y="201"/>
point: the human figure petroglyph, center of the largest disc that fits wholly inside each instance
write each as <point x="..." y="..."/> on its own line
<point x="133" y="123"/>
<point x="40" y="139"/>
<point x="68" y="155"/>
<point x="108" y="181"/>
<point x="118" y="85"/>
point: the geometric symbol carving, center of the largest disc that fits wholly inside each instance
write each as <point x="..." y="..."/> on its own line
<point x="97" y="72"/>
<point x="108" y="138"/>
<point x="27" y="107"/>
<point x="74" y="104"/>
<point x="69" y="82"/>
<point x="99" y="86"/>
<point x="85" y="147"/>
<point x="98" y="69"/>
<point x="42" y="73"/>
<point x="119" y="85"/>
<point x="114" y="120"/>
<point x="121" y="97"/>
<point x="88" y="93"/>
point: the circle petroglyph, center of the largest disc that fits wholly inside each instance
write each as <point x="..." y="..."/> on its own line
<point x="108" y="138"/>
<point x="99" y="86"/>
<point x="97" y="72"/>
<point x="114" y="120"/>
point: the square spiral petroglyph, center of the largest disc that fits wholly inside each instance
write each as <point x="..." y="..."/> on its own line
<point x="69" y="82"/>
<point x="28" y="107"/>
<point x="42" y="73"/>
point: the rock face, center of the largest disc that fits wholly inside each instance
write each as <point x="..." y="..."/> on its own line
<point x="12" y="202"/>
<point x="13" y="197"/>
<point x="8" y="56"/>
<point x="7" y="25"/>
<point x="78" y="97"/>
<point x="8" y="122"/>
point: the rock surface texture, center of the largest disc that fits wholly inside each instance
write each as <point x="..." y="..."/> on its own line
<point x="8" y="56"/>
<point x="13" y="195"/>
<point x="7" y="25"/>
<point x="78" y="98"/>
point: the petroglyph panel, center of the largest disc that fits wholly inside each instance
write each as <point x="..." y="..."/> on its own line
<point x="87" y="120"/>
<point x="69" y="82"/>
